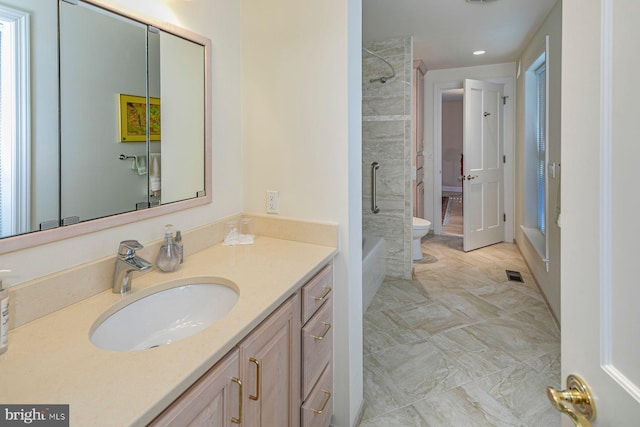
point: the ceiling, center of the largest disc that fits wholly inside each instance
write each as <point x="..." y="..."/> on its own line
<point x="447" y="32"/>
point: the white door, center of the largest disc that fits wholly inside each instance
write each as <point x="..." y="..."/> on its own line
<point x="482" y="183"/>
<point x="600" y="205"/>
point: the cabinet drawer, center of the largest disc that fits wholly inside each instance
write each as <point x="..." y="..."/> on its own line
<point x="318" y="408"/>
<point x="317" y="346"/>
<point x="315" y="292"/>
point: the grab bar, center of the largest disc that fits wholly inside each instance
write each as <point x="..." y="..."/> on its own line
<point x="374" y="172"/>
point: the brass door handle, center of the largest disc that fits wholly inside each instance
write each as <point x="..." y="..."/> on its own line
<point x="327" y="393"/>
<point x="327" y="326"/>
<point x="258" y="375"/>
<point x="239" y="419"/>
<point x="579" y="396"/>
<point x="326" y="292"/>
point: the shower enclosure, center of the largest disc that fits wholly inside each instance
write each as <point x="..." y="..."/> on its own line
<point x="387" y="68"/>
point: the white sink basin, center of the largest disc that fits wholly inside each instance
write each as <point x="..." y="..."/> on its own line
<point x="163" y="314"/>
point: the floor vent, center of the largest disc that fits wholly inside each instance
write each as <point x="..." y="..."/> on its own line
<point x="514" y="276"/>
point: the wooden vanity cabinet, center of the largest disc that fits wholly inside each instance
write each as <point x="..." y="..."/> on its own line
<point x="317" y="350"/>
<point x="270" y="367"/>
<point x="213" y="401"/>
<point x="278" y="375"/>
<point x="257" y="384"/>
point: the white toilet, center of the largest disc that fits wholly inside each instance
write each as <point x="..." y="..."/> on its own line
<point x="420" y="229"/>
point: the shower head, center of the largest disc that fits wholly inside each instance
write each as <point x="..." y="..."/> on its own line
<point x="382" y="79"/>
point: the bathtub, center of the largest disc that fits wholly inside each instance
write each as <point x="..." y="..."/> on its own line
<point x="373" y="267"/>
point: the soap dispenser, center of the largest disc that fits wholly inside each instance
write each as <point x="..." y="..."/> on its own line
<point x="178" y="242"/>
<point x="168" y="257"/>
<point x="4" y="315"/>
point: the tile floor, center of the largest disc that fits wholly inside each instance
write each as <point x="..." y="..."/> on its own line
<point x="460" y="345"/>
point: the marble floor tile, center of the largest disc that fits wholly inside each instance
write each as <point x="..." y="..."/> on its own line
<point x="476" y="358"/>
<point x="375" y="340"/>
<point x="379" y="398"/>
<point x="460" y="345"/>
<point x="512" y="388"/>
<point x="519" y="339"/>
<point x="402" y="417"/>
<point x="459" y="407"/>
<point x="429" y="319"/>
<point x="416" y="370"/>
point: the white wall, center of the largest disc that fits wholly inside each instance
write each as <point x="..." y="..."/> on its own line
<point x="549" y="282"/>
<point x="301" y="119"/>
<point x="218" y="20"/>
<point x="439" y="80"/>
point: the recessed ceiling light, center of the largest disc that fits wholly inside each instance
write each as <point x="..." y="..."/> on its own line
<point x="479" y="52"/>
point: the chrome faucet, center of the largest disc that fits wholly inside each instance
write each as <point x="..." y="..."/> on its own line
<point x="126" y="263"/>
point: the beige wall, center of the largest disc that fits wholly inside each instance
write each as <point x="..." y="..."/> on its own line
<point x="549" y="281"/>
<point x="301" y="136"/>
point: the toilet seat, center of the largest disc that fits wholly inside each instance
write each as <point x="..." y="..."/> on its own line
<point x="420" y="223"/>
<point x="420" y="229"/>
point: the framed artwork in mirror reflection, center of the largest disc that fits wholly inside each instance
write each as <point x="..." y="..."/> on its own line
<point x="133" y="118"/>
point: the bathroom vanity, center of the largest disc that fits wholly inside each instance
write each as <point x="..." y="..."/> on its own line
<point x="259" y="382"/>
<point x="266" y="362"/>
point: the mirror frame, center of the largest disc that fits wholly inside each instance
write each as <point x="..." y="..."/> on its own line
<point x="36" y="238"/>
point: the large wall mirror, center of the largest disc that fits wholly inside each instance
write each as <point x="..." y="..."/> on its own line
<point x="104" y="119"/>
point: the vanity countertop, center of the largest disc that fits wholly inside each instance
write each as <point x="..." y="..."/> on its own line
<point x="51" y="360"/>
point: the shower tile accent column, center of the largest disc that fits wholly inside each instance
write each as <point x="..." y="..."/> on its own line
<point x="386" y="139"/>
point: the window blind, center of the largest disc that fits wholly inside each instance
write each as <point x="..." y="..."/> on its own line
<point x="541" y="114"/>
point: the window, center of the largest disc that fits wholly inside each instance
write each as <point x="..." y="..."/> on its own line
<point x="14" y="122"/>
<point x="535" y="152"/>
<point x="541" y="136"/>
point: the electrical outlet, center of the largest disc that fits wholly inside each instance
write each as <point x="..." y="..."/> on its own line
<point x="273" y="201"/>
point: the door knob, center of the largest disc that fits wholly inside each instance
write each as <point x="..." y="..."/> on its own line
<point x="470" y="177"/>
<point x="580" y="398"/>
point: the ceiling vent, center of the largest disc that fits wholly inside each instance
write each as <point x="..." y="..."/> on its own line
<point x="480" y="1"/>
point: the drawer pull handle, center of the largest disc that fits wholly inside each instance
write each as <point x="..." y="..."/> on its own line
<point x="328" y="289"/>
<point x="257" y="396"/>
<point x="326" y="402"/>
<point x="324" y="334"/>
<point x="239" y="419"/>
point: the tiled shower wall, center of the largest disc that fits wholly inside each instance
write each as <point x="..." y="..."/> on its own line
<point x="386" y="139"/>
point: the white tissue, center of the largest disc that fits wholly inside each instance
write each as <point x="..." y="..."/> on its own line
<point x="235" y="238"/>
<point x="232" y="238"/>
<point x="246" y="239"/>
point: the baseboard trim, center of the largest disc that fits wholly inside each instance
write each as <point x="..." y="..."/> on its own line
<point x="359" y="415"/>
<point x="544" y="297"/>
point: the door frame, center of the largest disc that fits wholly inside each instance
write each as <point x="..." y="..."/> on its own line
<point x="508" y="147"/>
